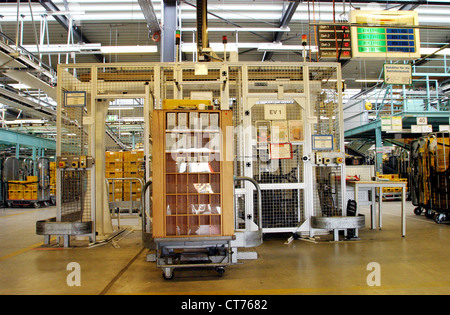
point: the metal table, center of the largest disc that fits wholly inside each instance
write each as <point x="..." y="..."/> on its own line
<point x="380" y="185"/>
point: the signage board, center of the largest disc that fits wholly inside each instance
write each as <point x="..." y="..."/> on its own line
<point x="399" y="74"/>
<point x="385" y="34"/>
<point x="334" y="42"/>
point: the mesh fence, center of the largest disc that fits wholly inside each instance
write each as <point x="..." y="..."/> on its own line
<point x="75" y="185"/>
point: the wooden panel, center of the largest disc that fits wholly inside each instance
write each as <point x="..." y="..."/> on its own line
<point x="158" y="185"/>
<point x="227" y="176"/>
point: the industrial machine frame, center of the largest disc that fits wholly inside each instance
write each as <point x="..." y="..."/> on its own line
<point x="307" y="181"/>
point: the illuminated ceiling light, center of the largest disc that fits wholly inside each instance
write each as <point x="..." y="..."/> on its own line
<point x="239" y="29"/>
<point x="281" y="47"/>
<point x="128" y="49"/>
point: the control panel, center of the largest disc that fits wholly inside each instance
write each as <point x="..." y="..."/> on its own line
<point x="74" y="162"/>
<point x="326" y="158"/>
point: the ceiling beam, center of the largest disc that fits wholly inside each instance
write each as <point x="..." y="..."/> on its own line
<point x="64" y="22"/>
<point x="12" y="137"/>
<point x="150" y="15"/>
<point x="284" y="22"/>
<point x="411" y="6"/>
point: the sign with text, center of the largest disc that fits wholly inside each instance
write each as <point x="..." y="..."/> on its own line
<point x="385" y="34"/>
<point x="275" y="112"/>
<point x="397" y="74"/>
<point x="334" y="42"/>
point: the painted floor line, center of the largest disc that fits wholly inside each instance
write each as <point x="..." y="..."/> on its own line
<point x="14" y="214"/>
<point x="21" y="251"/>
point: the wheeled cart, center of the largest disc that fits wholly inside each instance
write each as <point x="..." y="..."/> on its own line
<point x="430" y="173"/>
<point x="204" y="252"/>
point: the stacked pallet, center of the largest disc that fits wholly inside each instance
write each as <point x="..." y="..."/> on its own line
<point x="124" y="164"/>
<point x="23" y="190"/>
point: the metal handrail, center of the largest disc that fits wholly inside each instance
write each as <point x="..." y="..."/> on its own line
<point x="255" y="183"/>
<point x="131" y="183"/>
<point x="144" y="190"/>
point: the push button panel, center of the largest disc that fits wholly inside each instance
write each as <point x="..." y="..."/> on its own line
<point x="75" y="162"/>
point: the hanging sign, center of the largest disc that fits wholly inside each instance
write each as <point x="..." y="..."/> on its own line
<point x="397" y="74"/>
<point x="385" y="34"/>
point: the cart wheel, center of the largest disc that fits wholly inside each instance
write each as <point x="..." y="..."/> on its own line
<point x="429" y="214"/>
<point x="418" y="211"/>
<point x="37" y="205"/>
<point x="439" y="218"/>
<point x="221" y="271"/>
<point x="168" y="276"/>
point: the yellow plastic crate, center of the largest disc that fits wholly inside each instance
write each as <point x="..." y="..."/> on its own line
<point x="15" y="194"/>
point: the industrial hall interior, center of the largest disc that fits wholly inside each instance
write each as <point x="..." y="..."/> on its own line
<point x="224" y="148"/>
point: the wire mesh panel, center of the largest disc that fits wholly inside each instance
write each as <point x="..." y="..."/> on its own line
<point x="326" y="131"/>
<point x="273" y="78"/>
<point x="324" y="102"/>
<point x="327" y="191"/>
<point x="123" y="79"/>
<point x="74" y="188"/>
<point x="75" y="184"/>
<point x="239" y="206"/>
<point x="277" y="144"/>
<point x="236" y="104"/>
<point x="281" y="208"/>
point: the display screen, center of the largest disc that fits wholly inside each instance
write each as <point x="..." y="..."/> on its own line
<point x="385" y="34"/>
<point x="378" y="39"/>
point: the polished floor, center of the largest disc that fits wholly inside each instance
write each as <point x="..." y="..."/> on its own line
<point x="416" y="264"/>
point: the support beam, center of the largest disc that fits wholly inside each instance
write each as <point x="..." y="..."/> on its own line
<point x="284" y="22"/>
<point x="168" y="32"/>
<point x="64" y="21"/>
<point x="378" y="150"/>
<point x="11" y="137"/>
<point x="150" y="16"/>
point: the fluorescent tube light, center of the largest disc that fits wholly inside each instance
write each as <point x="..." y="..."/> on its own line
<point x="239" y="29"/>
<point x="219" y="47"/>
<point x="128" y="49"/>
<point x="428" y="51"/>
<point x="281" y="47"/>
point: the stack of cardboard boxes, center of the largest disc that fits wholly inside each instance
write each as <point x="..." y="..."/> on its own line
<point x="124" y="164"/>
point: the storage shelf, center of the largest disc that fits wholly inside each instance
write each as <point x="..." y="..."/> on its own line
<point x="192" y="203"/>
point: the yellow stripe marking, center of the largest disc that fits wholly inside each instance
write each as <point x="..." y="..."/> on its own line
<point x="23" y="250"/>
<point x="11" y="215"/>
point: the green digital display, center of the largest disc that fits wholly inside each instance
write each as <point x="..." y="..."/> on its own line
<point x="381" y="40"/>
<point x="385" y="34"/>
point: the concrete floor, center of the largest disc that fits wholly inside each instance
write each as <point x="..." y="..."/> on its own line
<point x="416" y="264"/>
